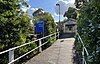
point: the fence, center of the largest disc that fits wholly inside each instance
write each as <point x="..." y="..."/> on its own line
<point x="11" y="50"/>
<point x="83" y="50"/>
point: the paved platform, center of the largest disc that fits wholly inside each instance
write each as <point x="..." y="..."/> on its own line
<point x="59" y="53"/>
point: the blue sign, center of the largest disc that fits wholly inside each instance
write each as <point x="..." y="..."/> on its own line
<point x="39" y="27"/>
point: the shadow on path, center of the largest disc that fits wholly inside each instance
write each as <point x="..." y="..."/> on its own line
<point x="76" y="57"/>
<point x="67" y="35"/>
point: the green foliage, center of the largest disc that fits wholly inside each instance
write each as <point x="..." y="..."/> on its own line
<point x="79" y="3"/>
<point x="13" y="28"/>
<point x="71" y="13"/>
<point x="49" y="24"/>
<point x="89" y="28"/>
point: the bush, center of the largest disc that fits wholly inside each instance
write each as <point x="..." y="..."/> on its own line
<point x="89" y="29"/>
<point x="13" y="28"/>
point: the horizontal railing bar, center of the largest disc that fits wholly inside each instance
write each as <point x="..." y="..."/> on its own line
<point x="83" y="44"/>
<point x="22" y="56"/>
<point x="26" y="53"/>
<point x="17" y="47"/>
<point x="47" y="36"/>
<point x="86" y="51"/>
<point x="24" y="44"/>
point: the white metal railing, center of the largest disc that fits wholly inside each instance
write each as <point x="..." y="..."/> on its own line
<point x="83" y="49"/>
<point x="11" y="50"/>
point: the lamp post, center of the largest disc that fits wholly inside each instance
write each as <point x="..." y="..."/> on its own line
<point x="59" y="17"/>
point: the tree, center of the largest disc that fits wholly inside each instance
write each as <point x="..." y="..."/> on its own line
<point x="48" y="20"/>
<point x="13" y="28"/>
<point x="49" y="24"/>
<point x="23" y="7"/>
<point x="79" y="3"/>
<point x="89" y="28"/>
<point x="71" y="13"/>
<point x="38" y="12"/>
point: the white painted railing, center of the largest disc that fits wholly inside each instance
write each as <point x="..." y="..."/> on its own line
<point x="83" y="49"/>
<point x="11" y="50"/>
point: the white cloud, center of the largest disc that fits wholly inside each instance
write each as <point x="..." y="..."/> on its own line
<point x="56" y="14"/>
<point x="64" y="5"/>
<point x="70" y="1"/>
<point x="53" y="16"/>
<point x="24" y="9"/>
<point x="34" y="9"/>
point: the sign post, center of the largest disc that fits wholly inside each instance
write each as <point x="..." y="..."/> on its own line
<point x="39" y="29"/>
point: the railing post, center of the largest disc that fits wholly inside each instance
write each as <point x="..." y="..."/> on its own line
<point x="11" y="55"/>
<point x="83" y="56"/>
<point x="58" y="35"/>
<point x="40" y="48"/>
<point x="55" y="35"/>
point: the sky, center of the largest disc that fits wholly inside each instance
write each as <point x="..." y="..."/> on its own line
<point x="49" y="6"/>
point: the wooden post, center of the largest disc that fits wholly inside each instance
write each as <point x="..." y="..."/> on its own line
<point x="11" y="56"/>
<point x="40" y="48"/>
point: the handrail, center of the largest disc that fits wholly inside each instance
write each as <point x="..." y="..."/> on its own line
<point x="83" y="44"/>
<point x="12" y="49"/>
<point x="26" y="53"/>
<point x="84" y="49"/>
<point x="24" y="44"/>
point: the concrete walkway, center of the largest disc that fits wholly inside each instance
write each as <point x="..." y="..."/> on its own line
<point x="59" y="53"/>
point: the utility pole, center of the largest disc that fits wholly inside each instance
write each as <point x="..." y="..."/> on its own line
<point x="59" y="26"/>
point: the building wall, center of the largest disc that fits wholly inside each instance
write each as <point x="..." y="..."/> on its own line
<point x="69" y="26"/>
